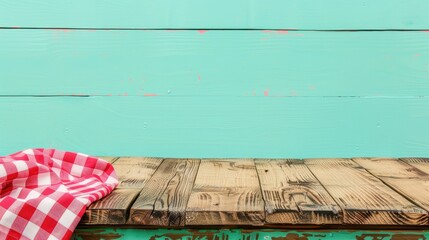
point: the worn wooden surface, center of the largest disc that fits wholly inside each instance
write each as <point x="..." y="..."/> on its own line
<point x="226" y="192"/>
<point x="419" y="163"/>
<point x="112" y="209"/>
<point x="281" y="193"/>
<point x="134" y="172"/>
<point x="364" y="198"/>
<point x="164" y="198"/>
<point x="292" y="194"/>
<point x="404" y="178"/>
<point x="109" y="159"/>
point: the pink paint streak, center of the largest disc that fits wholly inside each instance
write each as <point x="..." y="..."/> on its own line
<point x="276" y="32"/>
<point x="150" y="94"/>
<point x="199" y="77"/>
<point x="202" y="31"/>
<point x="267" y="92"/>
<point x="62" y="30"/>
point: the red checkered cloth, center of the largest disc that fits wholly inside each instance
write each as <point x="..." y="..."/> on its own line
<point x="44" y="192"/>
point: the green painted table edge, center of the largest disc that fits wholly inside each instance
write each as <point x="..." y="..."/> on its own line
<point x="245" y="234"/>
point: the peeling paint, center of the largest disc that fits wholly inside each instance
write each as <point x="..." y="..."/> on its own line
<point x="150" y="94"/>
<point x="267" y="92"/>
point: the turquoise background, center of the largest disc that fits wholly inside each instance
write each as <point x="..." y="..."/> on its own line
<point x="128" y="82"/>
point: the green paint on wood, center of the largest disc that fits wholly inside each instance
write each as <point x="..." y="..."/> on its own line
<point x="215" y="63"/>
<point x="237" y="14"/>
<point x="242" y="234"/>
<point x="254" y="127"/>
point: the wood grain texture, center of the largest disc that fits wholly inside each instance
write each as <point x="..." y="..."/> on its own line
<point x="404" y="178"/>
<point x="420" y="163"/>
<point x="216" y="63"/>
<point x="163" y="200"/>
<point x="112" y="209"/>
<point x="134" y="172"/>
<point x="109" y="159"/>
<point x="293" y="195"/>
<point x="226" y="191"/>
<point x="237" y="14"/>
<point x="363" y="198"/>
<point x="211" y="127"/>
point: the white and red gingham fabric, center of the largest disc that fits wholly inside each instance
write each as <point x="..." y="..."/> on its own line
<point x="44" y="192"/>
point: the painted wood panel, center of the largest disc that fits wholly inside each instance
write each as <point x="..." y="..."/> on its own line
<point x="214" y="63"/>
<point x="185" y="127"/>
<point x="248" y="234"/>
<point x="237" y="14"/>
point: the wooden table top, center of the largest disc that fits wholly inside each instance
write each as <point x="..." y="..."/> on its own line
<point x="265" y="192"/>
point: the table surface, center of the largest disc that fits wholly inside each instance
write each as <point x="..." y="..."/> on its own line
<point x="280" y="193"/>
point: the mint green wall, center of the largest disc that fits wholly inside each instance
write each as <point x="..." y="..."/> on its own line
<point x="237" y="14"/>
<point x="202" y="126"/>
<point x="216" y="93"/>
<point x="215" y="63"/>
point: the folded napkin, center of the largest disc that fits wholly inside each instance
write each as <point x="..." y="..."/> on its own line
<point x="44" y="192"/>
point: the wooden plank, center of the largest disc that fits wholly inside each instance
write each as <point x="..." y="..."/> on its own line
<point x="134" y="172"/>
<point x="226" y="192"/>
<point x="112" y="209"/>
<point x="293" y="195"/>
<point x="163" y="200"/>
<point x="216" y="63"/>
<point x="109" y="159"/>
<point x="420" y="163"/>
<point x="363" y="198"/>
<point x="218" y="127"/>
<point x="404" y="178"/>
<point x="237" y="14"/>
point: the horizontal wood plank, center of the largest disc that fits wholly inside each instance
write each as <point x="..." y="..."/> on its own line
<point x="237" y="14"/>
<point x="420" y="163"/>
<point x="226" y="192"/>
<point x="404" y="178"/>
<point x="134" y="172"/>
<point x="163" y="199"/>
<point x="363" y="198"/>
<point x="109" y="159"/>
<point x="206" y="127"/>
<point x="215" y="63"/>
<point x="293" y="195"/>
<point x="112" y="209"/>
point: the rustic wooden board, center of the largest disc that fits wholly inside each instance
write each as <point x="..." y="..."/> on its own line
<point x="293" y="195"/>
<point x="112" y="209"/>
<point x="404" y="178"/>
<point x="163" y="199"/>
<point x="216" y="63"/>
<point x="109" y="159"/>
<point x="363" y="198"/>
<point x="226" y="192"/>
<point x="419" y="163"/>
<point x="134" y="172"/>
<point x="237" y="14"/>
